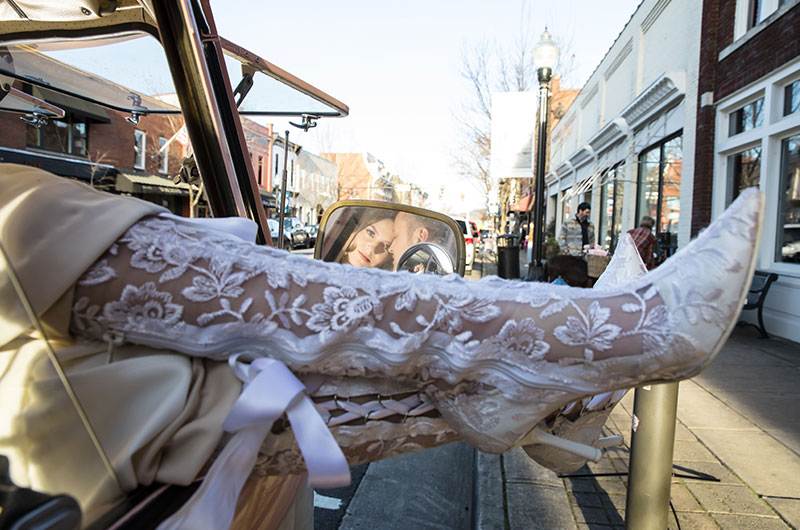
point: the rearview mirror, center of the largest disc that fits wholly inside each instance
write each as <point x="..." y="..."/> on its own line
<point x="387" y="236"/>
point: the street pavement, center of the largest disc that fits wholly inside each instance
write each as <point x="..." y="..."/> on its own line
<point x="737" y="432"/>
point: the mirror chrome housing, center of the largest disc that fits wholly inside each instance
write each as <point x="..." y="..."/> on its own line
<point x="426" y="258"/>
<point x="378" y="234"/>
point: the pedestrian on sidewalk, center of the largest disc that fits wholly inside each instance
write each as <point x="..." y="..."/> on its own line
<point x="577" y="232"/>
<point x="645" y="241"/>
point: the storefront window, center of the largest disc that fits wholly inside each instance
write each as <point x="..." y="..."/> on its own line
<point x="659" y="186"/>
<point x="788" y="244"/>
<point x="619" y="188"/>
<point x="64" y="136"/>
<point x="669" y="214"/>
<point x="791" y="98"/>
<point x="567" y="210"/>
<point x="649" y="170"/>
<point x="604" y="226"/>
<point x="611" y="207"/>
<point x="748" y="117"/>
<point x="744" y="170"/>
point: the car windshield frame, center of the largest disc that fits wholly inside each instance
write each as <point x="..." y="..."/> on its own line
<point x="25" y="68"/>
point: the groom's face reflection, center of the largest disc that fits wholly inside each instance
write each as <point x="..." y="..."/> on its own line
<point x="404" y="237"/>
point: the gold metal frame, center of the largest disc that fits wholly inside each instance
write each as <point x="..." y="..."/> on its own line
<point x="461" y="251"/>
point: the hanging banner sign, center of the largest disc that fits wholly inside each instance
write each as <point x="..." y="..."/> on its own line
<point x="513" y="125"/>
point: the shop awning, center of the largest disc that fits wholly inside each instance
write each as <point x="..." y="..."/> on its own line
<point x="522" y="205"/>
<point x="60" y="164"/>
<point x="584" y="186"/>
<point x="151" y="185"/>
<point x="268" y="199"/>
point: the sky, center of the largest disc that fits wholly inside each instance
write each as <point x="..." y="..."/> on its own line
<point x="397" y="66"/>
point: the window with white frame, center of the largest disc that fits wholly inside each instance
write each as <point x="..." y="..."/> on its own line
<point x="766" y="153"/>
<point x="744" y="171"/>
<point x="787" y="248"/>
<point x="751" y="13"/>
<point x="139" y="149"/>
<point x="791" y="98"/>
<point x="746" y="118"/>
<point x="163" y="155"/>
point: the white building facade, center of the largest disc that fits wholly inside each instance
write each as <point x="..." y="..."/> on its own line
<point x="626" y="144"/>
<point x="317" y="186"/>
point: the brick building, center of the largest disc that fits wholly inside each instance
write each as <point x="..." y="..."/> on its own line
<point x="99" y="146"/>
<point x="260" y="144"/>
<point x="748" y="133"/>
<point x="362" y="176"/>
<point x="110" y="150"/>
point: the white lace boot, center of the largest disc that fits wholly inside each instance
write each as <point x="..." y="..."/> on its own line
<point x="493" y="358"/>
<point x="581" y="422"/>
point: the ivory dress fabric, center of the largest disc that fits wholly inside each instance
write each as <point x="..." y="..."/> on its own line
<point x="157" y="413"/>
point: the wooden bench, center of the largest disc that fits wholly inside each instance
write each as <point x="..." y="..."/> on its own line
<point x="756" y="296"/>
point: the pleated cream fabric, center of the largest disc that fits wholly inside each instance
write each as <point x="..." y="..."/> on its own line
<point x="158" y="414"/>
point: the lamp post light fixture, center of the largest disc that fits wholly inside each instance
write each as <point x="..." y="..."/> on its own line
<point x="545" y="54"/>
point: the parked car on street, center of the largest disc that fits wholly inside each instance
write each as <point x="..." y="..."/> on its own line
<point x="476" y="234"/>
<point x="273" y="232"/>
<point x="312" y="234"/>
<point x="469" y="242"/>
<point x="297" y="231"/>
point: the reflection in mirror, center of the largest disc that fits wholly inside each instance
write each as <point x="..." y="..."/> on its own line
<point x="373" y="234"/>
<point x="426" y="258"/>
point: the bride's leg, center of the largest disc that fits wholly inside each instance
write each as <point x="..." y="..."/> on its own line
<point x="493" y="357"/>
<point x="582" y="421"/>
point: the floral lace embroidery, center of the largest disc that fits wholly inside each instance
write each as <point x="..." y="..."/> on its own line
<point x="215" y="270"/>
<point x="529" y="348"/>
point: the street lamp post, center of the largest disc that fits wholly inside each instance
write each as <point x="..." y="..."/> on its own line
<point x="545" y="54"/>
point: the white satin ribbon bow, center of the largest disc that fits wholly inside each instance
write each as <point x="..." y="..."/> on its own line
<point x="270" y="390"/>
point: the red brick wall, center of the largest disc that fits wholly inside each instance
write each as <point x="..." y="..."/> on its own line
<point x="110" y="143"/>
<point x="115" y="141"/>
<point x="704" y="146"/>
<point x="12" y="131"/>
<point x="771" y="48"/>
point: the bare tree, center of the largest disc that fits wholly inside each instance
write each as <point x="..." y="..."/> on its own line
<point x="488" y="69"/>
<point x="99" y="164"/>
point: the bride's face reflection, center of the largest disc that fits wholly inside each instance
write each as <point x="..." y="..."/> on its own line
<point x="370" y="246"/>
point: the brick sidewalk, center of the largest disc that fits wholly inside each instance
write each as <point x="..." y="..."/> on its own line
<point x="739" y="422"/>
